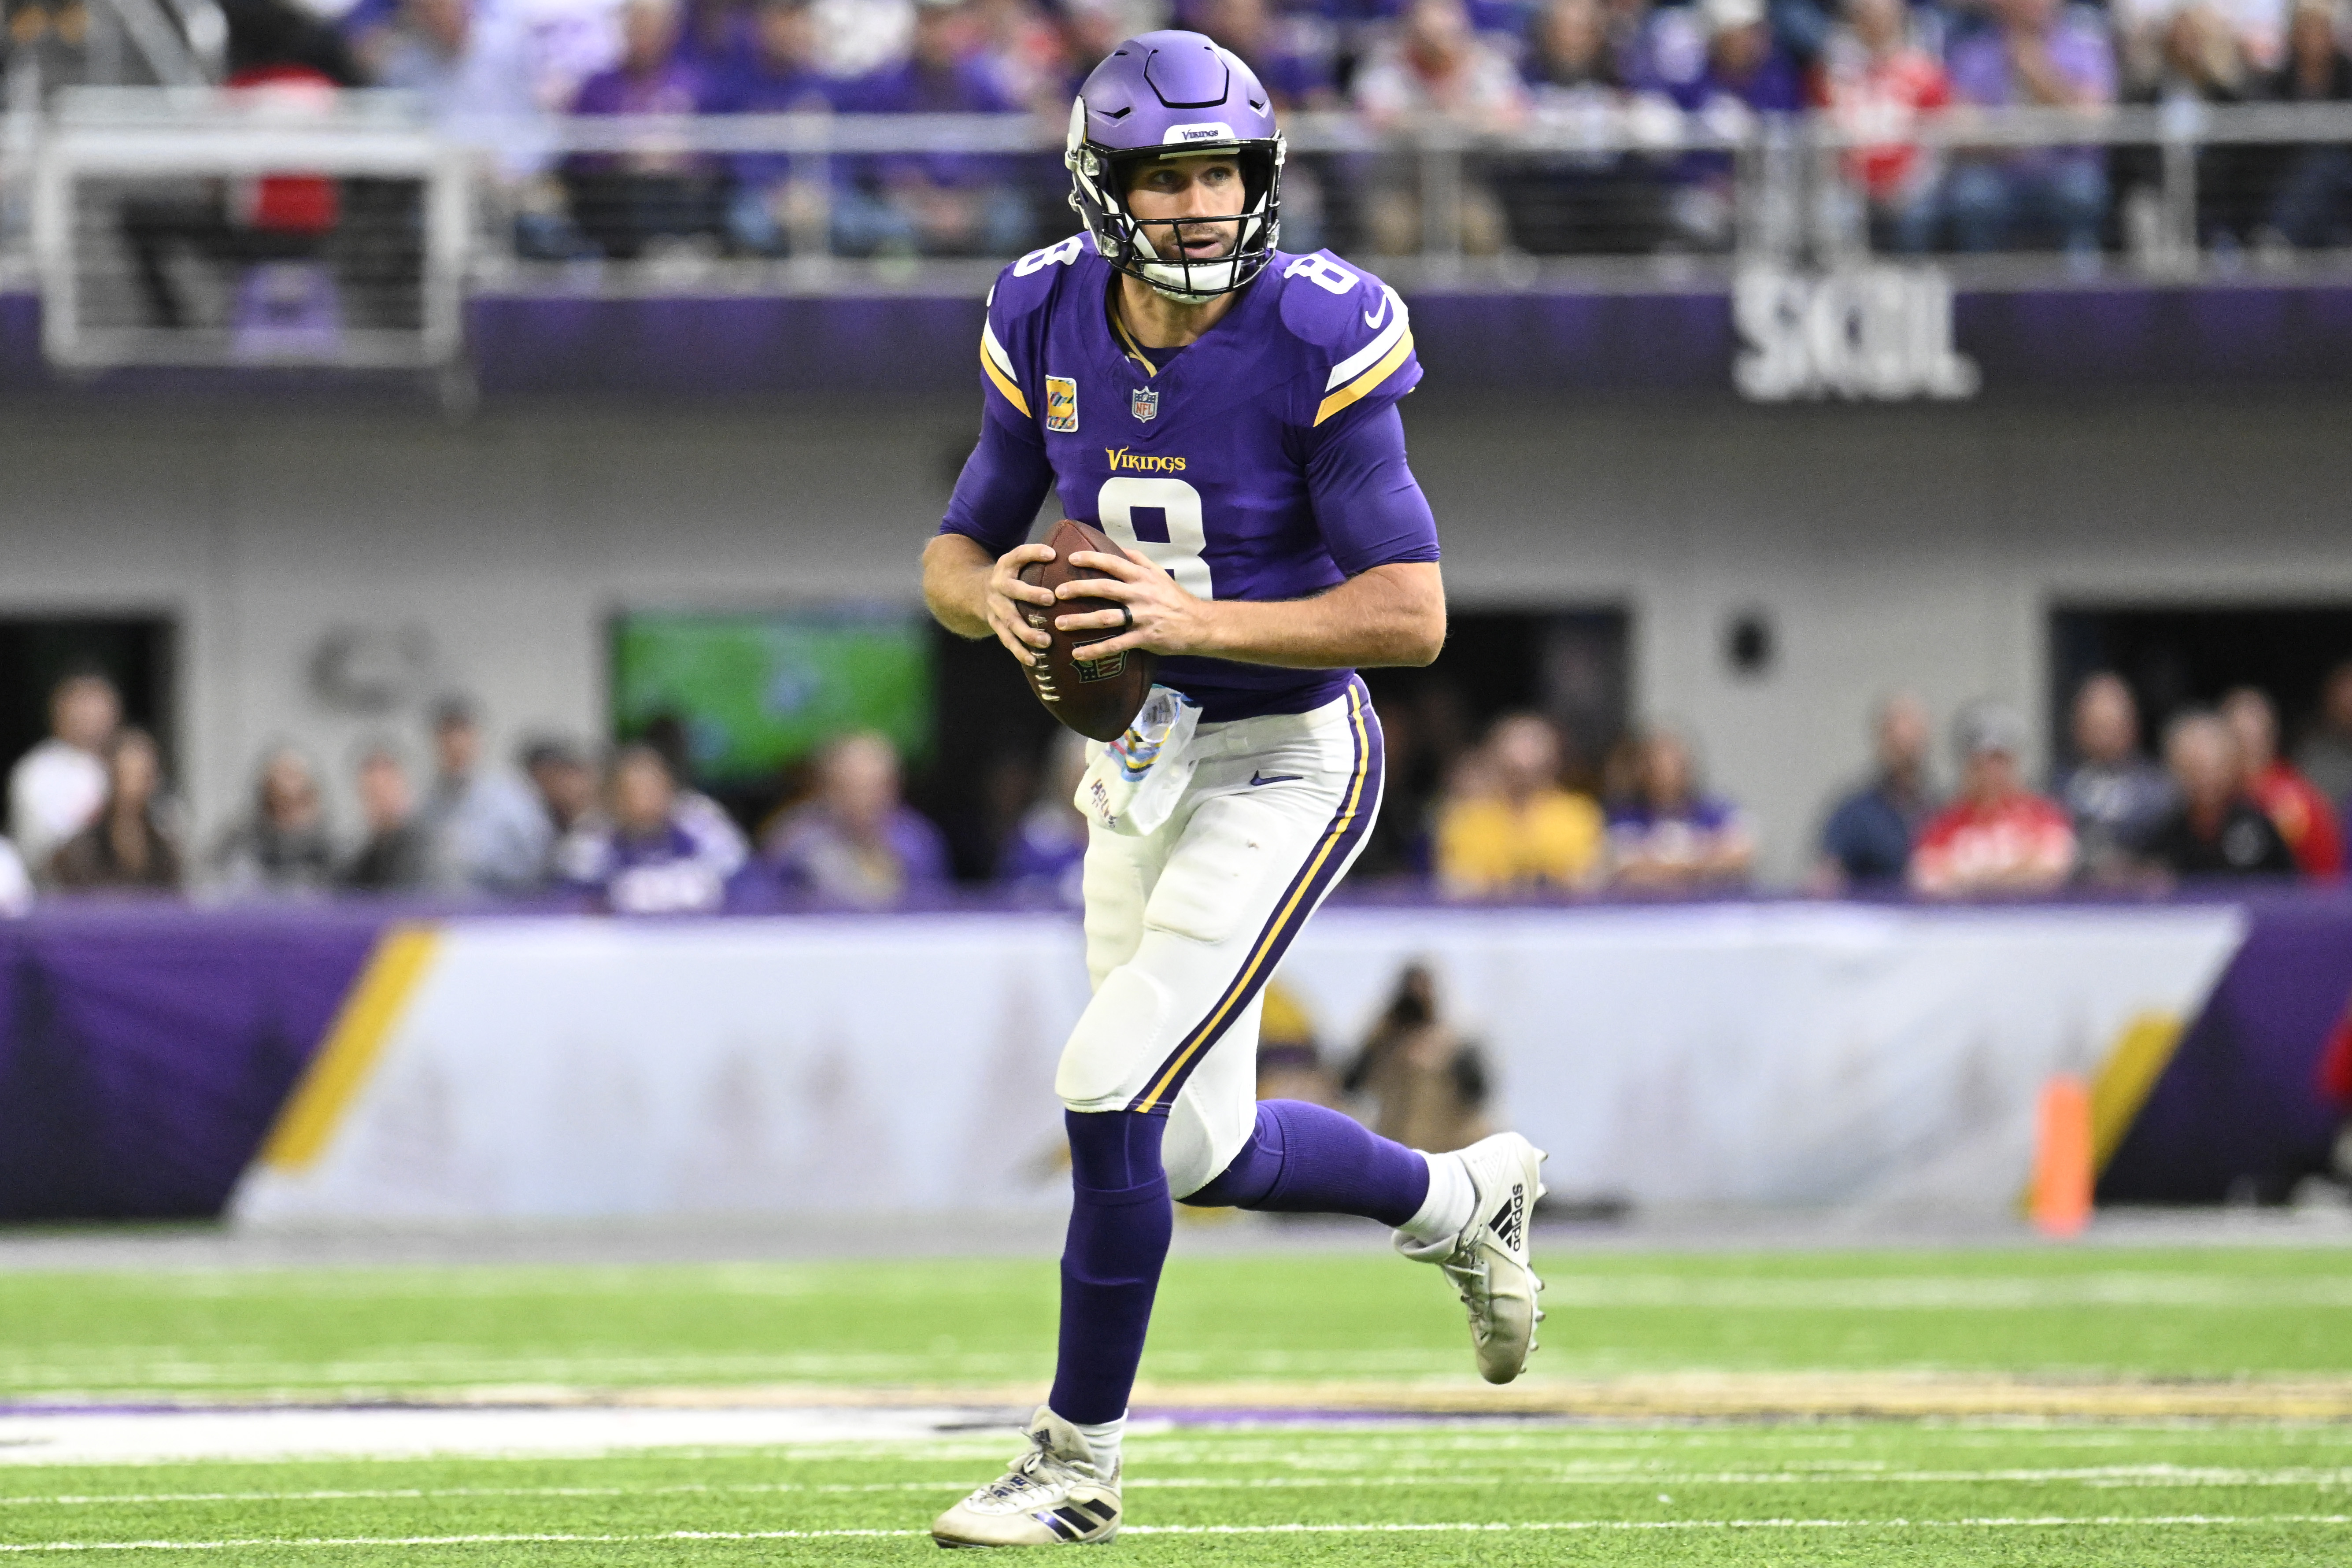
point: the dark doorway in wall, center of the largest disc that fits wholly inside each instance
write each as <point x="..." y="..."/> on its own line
<point x="1573" y="666"/>
<point x="2177" y="656"/>
<point x="135" y="652"/>
<point x="994" y="743"/>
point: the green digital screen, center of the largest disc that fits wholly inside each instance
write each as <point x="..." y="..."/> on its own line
<point x="757" y="690"/>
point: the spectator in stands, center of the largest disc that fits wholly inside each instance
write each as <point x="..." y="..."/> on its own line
<point x="1867" y="838"/>
<point x="16" y="882"/>
<point x="1509" y="825"/>
<point x="780" y="75"/>
<point x="397" y="856"/>
<point x="2191" y="57"/>
<point x="1668" y="836"/>
<point x="488" y="832"/>
<point x="716" y="37"/>
<point x="56" y="789"/>
<point x="2216" y="828"/>
<point x="468" y="69"/>
<point x="282" y="845"/>
<point x="640" y="858"/>
<point x="2114" y="796"/>
<point x="2312" y="203"/>
<point x="626" y="202"/>
<point x="278" y="53"/>
<point x="1290" y="52"/>
<point x="2036" y="57"/>
<point x="1428" y="1083"/>
<point x="564" y="779"/>
<point x="1739" y="72"/>
<point x="1999" y="836"/>
<point x="1047" y="850"/>
<point x="1025" y="54"/>
<point x="2304" y="818"/>
<point x="1581" y="202"/>
<point x="1434" y="67"/>
<point x="2325" y="754"/>
<point x="1876" y="83"/>
<point x="129" y="845"/>
<point x="938" y="204"/>
<point x="856" y="842"/>
<point x="699" y="814"/>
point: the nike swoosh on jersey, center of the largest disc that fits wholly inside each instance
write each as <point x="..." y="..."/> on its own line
<point x="1374" y="318"/>
<point x="1258" y="778"/>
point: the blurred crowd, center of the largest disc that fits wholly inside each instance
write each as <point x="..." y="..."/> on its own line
<point x="90" y="809"/>
<point x="2223" y="801"/>
<point x="1630" y="72"/>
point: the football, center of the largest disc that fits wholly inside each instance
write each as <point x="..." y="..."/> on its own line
<point x="1097" y="698"/>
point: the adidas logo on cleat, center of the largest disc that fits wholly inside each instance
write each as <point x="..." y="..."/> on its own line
<point x="1072" y="1520"/>
<point x="1510" y="1222"/>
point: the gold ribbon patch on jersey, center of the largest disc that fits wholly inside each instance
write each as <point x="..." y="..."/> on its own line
<point x="1061" y="403"/>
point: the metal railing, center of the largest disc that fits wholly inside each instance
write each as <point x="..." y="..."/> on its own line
<point x="1622" y="195"/>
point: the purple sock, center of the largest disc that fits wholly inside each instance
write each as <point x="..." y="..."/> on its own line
<point x="1120" y="1226"/>
<point x="1309" y="1159"/>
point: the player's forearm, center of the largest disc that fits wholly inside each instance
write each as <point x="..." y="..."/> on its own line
<point x="1388" y="616"/>
<point x="955" y="584"/>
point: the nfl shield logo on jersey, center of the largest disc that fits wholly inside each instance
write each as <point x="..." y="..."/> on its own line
<point x="1145" y="405"/>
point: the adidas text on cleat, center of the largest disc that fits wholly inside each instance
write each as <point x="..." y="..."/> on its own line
<point x="1487" y="1262"/>
<point x="1053" y="1496"/>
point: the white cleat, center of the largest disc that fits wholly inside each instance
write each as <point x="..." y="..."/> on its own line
<point x="1053" y="1496"/>
<point x="1488" y="1262"/>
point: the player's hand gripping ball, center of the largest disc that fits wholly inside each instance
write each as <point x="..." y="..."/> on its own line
<point x="1097" y="698"/>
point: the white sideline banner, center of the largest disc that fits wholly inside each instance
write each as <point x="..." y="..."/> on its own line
<point x="1736" y="1054"/>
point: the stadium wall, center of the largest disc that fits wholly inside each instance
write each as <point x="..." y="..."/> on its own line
<point x="1907" y="546"/>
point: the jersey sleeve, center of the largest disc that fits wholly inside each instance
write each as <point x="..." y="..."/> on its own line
<point x="1005" y="480"/>
<point x="1357" y="335"/>
<point x="1367" y="503"/>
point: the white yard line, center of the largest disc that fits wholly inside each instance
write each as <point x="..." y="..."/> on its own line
<point x="680" y="1536"/>
<point x="2118" y="1475"/>
<point x="1872" y="1292"/>
<point x="102" y="1437"/>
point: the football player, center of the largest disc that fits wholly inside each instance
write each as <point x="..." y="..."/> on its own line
<point x="1226" y="411"/>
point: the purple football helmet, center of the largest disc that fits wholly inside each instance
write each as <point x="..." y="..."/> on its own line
<point x="1160" y="94"/>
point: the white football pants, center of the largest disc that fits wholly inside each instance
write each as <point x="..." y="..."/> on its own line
<point x="1185" y="925"/>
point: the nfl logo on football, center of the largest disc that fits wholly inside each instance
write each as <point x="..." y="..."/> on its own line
<point x="1145" y="405"/>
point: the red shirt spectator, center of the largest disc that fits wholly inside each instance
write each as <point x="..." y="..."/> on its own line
<point x="290" y="204"/>
<point x="1877" y="85"/>
<point x="1999" y="836"/>
<point x="2303" y="815"/>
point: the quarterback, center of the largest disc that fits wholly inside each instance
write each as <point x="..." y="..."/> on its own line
<point x="1226" y="411"/>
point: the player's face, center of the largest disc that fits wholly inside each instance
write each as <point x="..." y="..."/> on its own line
<point x="1169" y="195"/>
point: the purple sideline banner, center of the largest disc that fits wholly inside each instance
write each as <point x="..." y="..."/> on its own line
<point x="2237" y="1112"/>
<point x="2127" y="337"/>
<point x="145" y="1050"/>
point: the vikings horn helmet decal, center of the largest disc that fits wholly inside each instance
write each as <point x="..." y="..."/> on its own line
<point x="1160" y="93"/>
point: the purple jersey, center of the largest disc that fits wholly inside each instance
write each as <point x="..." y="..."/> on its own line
<point x="1266" y="461"/>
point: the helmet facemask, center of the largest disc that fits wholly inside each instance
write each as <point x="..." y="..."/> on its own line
<point x="1100" y="178"/>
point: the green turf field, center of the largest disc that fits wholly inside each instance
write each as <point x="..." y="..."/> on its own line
<point x="1798" y="1489"/>
<point x="1817" y="1493"/>
<point x="2189" y="1312"/>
